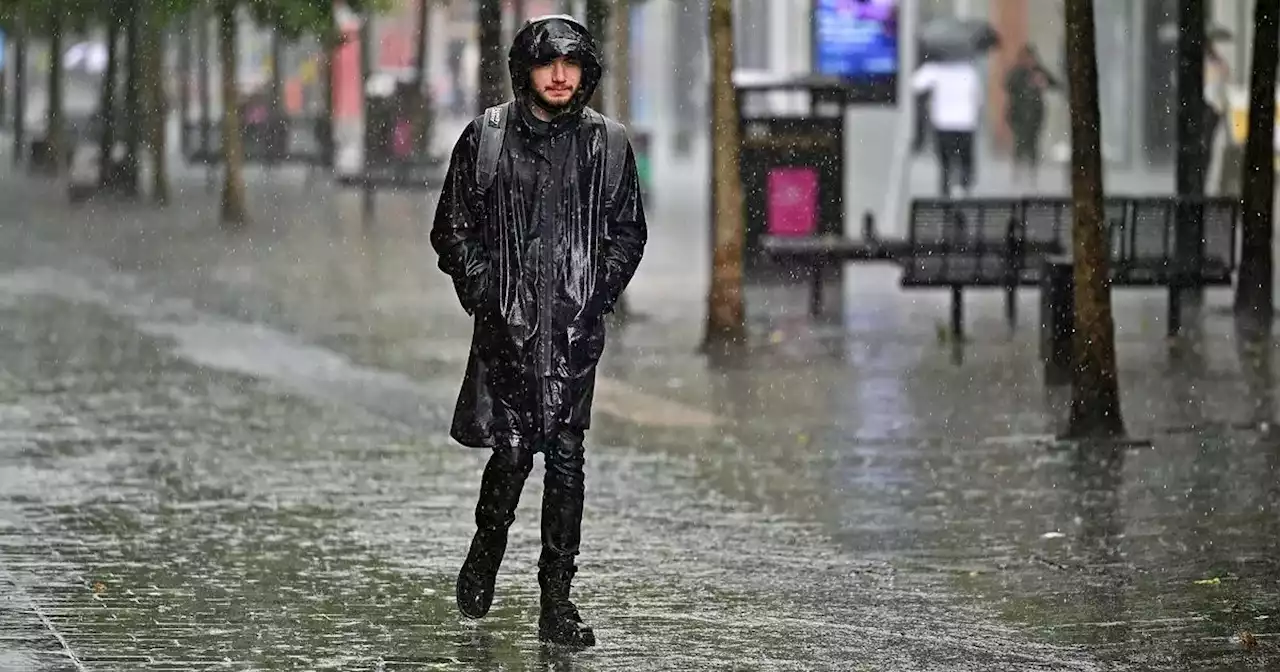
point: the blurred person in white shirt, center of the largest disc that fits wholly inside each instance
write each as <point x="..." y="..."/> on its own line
<point x="955" y="103"/>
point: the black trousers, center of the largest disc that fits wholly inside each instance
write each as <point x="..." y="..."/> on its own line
<point x="955" y="154"/>
<point x="920" y="136"/>
<point x="562" y="496"/>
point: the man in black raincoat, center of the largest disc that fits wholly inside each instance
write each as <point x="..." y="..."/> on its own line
<point x="541" y="227"/>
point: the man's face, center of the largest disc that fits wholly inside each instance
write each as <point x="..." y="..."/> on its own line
<point x="555" y="83"/>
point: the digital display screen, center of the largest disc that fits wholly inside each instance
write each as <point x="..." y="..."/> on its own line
<point x="856" y="39"/>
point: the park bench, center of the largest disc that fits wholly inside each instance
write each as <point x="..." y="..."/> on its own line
<point x="1003" y="243"/>
<point x="1141" y="233"/>
<point x="934" y="250"/>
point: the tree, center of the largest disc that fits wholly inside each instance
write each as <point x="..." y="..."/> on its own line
<point x="621" y="75"/>
<point x="290" y="18"/>
<point x="107" y="174"/>
<point x="275" y="114"/>
<point x="52" y="19"/>
<point x="19" y="86"/>
<point x="420" y="51"/>
<point x="726" y="319"/>
<point x="610" y="22"/>
<point x="119" y="16"/>
<point x="327" y="87"/>
<point x="157" y="105"/>
<point x="598" y="25"/>
<point x="620" y="60"/>
<point x="234" y="211"/>
<point x="1095" y="395"/>
<point x="493" y="76"/>
<point x="203" y="19"/>
<point x="57" y="21"/>
<point x="129" y="168"/>
<point x="420" y="103"/>
<point x="1254" y="284"/>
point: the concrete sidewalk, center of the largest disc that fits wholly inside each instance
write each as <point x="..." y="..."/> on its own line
<point x="848" y="492"/>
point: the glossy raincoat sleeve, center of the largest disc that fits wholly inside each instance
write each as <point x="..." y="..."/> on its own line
<point x="456" y="232"/>
<point x="627" y="234"/>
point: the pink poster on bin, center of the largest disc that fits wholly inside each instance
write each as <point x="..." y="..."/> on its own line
<point x="791" y="207"/>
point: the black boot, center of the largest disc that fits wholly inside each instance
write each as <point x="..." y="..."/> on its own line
<point x="559" y="622"/>
<point x="480" y="572"/>
<point x="500" y="488"/>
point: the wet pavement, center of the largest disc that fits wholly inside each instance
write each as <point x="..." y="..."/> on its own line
<point x="227" y="451"/>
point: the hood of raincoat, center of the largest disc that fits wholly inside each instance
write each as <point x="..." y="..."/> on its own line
<point x="546" y="38"/>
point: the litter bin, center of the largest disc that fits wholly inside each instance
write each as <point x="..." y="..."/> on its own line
<point x="791" y="161"/>
<point x="1057" y="318"/>
<point x="792" y="170"/>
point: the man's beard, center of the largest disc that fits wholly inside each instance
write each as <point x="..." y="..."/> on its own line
<point x="554" y="108"/>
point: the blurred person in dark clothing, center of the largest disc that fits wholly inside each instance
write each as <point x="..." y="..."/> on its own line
<point x="1025" y="87"/>
<point x="541" y="227"/>
<point x="920" y="134"/>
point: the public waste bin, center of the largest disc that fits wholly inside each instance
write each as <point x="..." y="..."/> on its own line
<point x="1057" y="318"/>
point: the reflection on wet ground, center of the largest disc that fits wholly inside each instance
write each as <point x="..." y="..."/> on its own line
<point x="847" y="496"/>
<point x="164" y="515"/>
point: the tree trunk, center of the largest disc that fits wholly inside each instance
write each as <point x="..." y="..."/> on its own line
<point x="1254" y="300"/>
<point x="1192" y="158"/>
<point x="276" y="144"/>
<point x="493" y="76"/>
<point x="420" y="51"/>
<point x="234" y="211"/>
<point x="368" y="201"/>
<point x="4" y="83"/>
<point x="620" y="63"/>
<point x="1095" y="397"/>
<point x="205" y="78"/>
<point x="421" y="102"/>
<point x="621" y="68"/>
<point x="326" y="129"/>
<point x="20" y="87"/>
<point x="598" y="26"/>
<point x="54" y="134"/>
<point x="157" y="106"/>
<point x="185" y="66"/>
<point x="132" y="101"/>
<point x="107" y="102"/>
<point x="726" y="320"/>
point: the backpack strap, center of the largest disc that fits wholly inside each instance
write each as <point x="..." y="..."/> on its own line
<point x="615" y="157"/>
<point x="493" y="133"/>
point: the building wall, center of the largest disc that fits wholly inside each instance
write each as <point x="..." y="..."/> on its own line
<point x="1237" y="17"/>
<point x="752" y="33"/>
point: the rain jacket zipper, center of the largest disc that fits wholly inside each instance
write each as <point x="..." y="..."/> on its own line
<point x="548" y="278"/>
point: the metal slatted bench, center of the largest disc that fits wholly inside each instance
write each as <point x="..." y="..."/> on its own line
<point x="1004" y="242"/>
